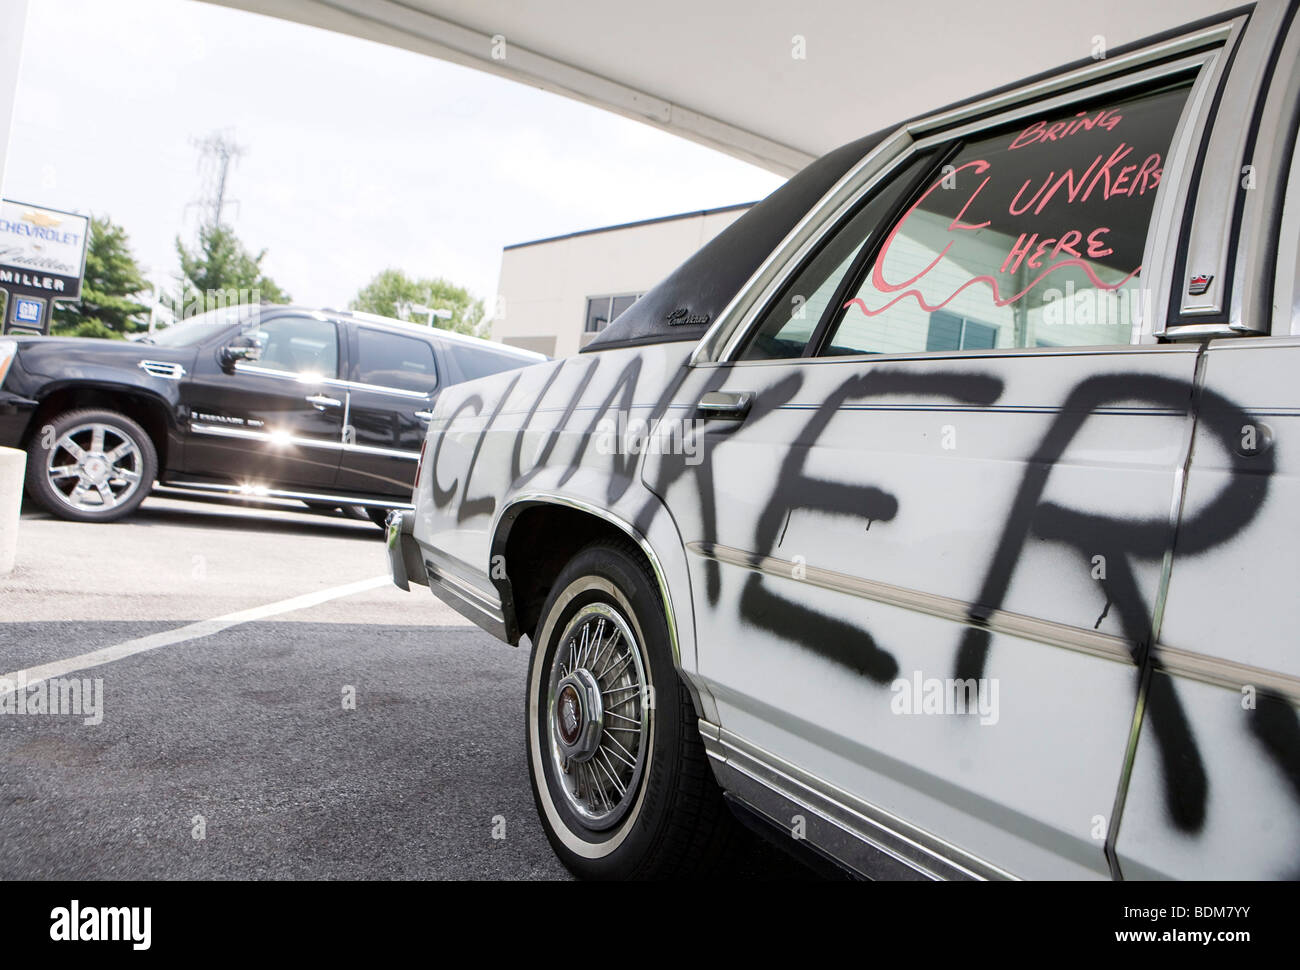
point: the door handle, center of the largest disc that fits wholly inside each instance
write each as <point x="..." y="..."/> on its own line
<point x="424" y="415"/>
<point x="725" y="405"/>
<point x="320" y="402"/>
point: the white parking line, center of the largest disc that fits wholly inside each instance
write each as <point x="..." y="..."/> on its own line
<point x="193" y="631"/>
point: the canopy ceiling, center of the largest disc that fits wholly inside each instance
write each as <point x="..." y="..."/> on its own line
<point x="722" y="72"/>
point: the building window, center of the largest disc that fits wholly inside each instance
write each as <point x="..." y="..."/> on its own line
<point x="602" y="310"/>
<point x="949" y="331"/>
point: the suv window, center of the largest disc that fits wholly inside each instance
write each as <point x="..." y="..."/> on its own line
<point x="195" y="330"/>
<point x="298" y="345"/>
<point x="476" y="362"/>
<point x="392" y="360"/>
<point x="1028" y="237"/>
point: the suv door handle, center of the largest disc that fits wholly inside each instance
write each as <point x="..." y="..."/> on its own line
<point x="725" y="405"/>
<point x="320" y="402"/>
<point x="424" y="415"/>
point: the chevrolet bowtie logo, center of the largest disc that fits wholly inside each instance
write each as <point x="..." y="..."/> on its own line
<point x="42" y="219"/>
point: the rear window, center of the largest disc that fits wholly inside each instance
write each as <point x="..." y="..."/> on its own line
<point x="1030" y="236"/>
<point x="391" y="360"/>
<point x="476" y="362"/>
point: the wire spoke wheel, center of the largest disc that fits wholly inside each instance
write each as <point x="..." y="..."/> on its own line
<point x="598" y="715"/>
<point x="94" y="467"/>
<point x="622" y="782"/>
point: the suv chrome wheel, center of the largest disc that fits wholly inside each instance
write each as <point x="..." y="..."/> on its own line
<point x="94" y="467"/>
<point x="91" y="465"/>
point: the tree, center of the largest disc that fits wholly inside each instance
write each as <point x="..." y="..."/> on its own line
<point x="221" y="266"/>
<point x="392" y="293"/>
<point x="113" y="280"/>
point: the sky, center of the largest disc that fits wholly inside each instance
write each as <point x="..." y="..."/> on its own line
<point x="356" y="157"/>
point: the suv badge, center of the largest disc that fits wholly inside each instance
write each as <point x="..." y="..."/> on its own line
<point x="1198" y="284"/>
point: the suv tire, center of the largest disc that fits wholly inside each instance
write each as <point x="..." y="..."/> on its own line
<point x="91" y="466"/>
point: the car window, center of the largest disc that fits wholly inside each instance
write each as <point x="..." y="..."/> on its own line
<point x="298" y="345"/>
<point x="1030" y="237"/>
<point x="480" y="362"/>
<point x="790" y="320"/>
<point x="197" y="329"/>
<point x="392" y="360"/>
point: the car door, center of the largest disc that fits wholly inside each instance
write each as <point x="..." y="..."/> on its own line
<point x="272" y="422"/>
<point x="393" y="379"/>
<point x="940" y="477"/>
<point x="1226" y="658"/>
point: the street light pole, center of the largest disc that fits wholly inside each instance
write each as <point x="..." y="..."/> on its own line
<point x="434" y="312"/>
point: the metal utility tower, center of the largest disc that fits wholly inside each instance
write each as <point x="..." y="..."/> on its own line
<point x="216" y="154"/>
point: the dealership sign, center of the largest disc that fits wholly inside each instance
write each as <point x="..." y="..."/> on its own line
<point x="42" y="251"/>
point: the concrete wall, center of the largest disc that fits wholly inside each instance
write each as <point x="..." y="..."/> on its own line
<point x="546" y="284"/>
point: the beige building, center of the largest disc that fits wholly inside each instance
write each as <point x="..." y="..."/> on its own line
<point x="558" y="293"/>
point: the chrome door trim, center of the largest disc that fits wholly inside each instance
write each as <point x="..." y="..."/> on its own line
<point x="968" y="355"/>
<point x="848" y="828"/>
<point x="721" y="341"/>
<point x="257" y="491"/>
<point x="1102" y="645"/>
<point x="380" y="389"/>
<point x="243" y="367"/>
<point x="383" y="452"/>
<point x="248" y="434"/>
<point x="1219" y="672"/>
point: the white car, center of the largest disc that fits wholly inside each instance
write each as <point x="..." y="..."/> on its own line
<point x="941" y="512"/>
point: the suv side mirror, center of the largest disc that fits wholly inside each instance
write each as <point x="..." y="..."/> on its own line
<point x="246" y="346"/>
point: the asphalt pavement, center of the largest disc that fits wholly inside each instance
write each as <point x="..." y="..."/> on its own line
<point x="263" y="704"/>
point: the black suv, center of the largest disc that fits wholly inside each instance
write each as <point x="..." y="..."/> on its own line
<point x="282" y="402"/>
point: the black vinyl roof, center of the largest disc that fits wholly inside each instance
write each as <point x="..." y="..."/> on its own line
<point x="683" y="304"/>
